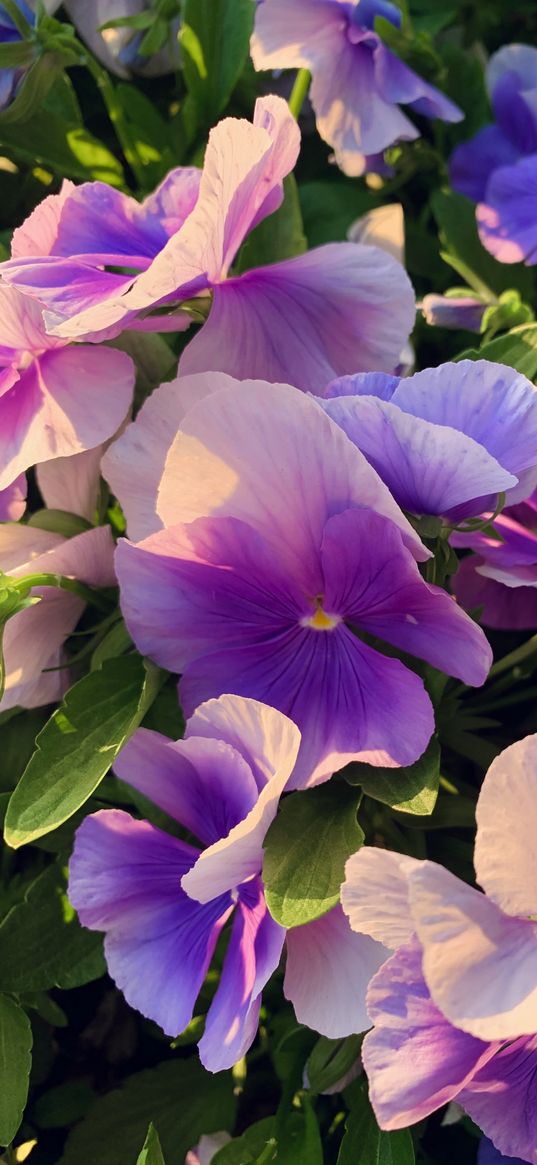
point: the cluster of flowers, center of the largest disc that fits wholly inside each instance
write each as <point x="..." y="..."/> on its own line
<point x="275" y="495"/>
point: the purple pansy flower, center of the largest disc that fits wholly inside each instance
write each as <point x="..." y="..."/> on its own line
<point x="339" y="308"/>
<point x="463" y="980"/>
<point x="162" y="903"/>
<point x="501" y="575"/>
<point x="9" y="34"/>
<point x="358" y="83"/>
<point x="274" y="556"/>
<point x="498" y="167"/>
<point x="56" y="399"/>
<point x="447" y="439"/>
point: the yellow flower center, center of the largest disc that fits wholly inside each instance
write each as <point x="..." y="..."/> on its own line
<point x="320" y="620"/>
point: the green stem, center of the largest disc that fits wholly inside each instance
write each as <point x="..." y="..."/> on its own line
<point x="67" y="584"/>
<point x="299" y="91"/>
<point x="117" y="117"/>
<point x="268" y="1152"/>
<point x="515" y="657"/>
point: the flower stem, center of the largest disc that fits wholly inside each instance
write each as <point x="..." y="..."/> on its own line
<point x="88" y="594"/>
<point x="515" y="657"/>
<point x="299" y="91"/>
<point x="117" y="117"/>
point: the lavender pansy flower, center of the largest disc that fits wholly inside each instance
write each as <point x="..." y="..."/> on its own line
<point x="274" y="558"/>
<point x="56" y="399"/>
<point x="358" y="84"/>
<point x="500" y="576"/>
<point x="339" y="308"/>
<point x="447" y="439"/>
<point x="10" y="78"/>
<point x="498" y="167"/>
<point x="464" y="969"/>
<point x="163" y="903"/>
<point x="35" y="662"/>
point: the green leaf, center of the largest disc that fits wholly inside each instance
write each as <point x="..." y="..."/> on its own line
<point x="15" y="1065"/>
<point x="330" y="208"/>
<point x="306" y="849"/>
<point x="178" y="1097"/>
<point x="42" y="944"/>
<point x="365" y="1144"/>
<point x="151" y="1153"/>
<point x="455" y="216"/>
<point x="248" y="1148"/>
<point x="214" y="39"/>
<point x="299" y="1140"/>
<point x="281" y="236"/>
<point x="331" y="1060"/>
<point x="78" y="746"/>
<point x="518" y="349"/>
<point x="410" y="790"/>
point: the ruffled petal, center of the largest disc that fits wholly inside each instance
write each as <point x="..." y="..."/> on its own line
<point x="125" y="879"/>
<point x="327" y="974"/>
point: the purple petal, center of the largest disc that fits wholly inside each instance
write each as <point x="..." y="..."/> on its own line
<point x="72" y="483"/>
<point x="397" y="83"/>
<point x="265" y="739"/>
<point x="295" y="34"/>
<point x="375" y="897"/>
<point x="334" y="688"/>
<point x="377" y="384"/>
<point x="125" y="879"/>
<point x="13" y="500"/>
<point x="145" y="444"/>
<point x="327" y="973"/>
<point x="214" y="583"/>
<point x="415" y="1060"/>
<point x="34" y="638"/>
<point x="454" y="311"/>
<point x="516" y="111"/>
<point x="38" y="233"/>
<point x="341" y="308"/>
<point x="203" y="784"/>
<point x="472" y="163"/>
<point x="252" y="956"/>
<point x="65" y="401"/>
<point x="105" y="226"/>
<point x="429" y="468"/>
<point x="489" y="402"/>
<point x="505" y="858"/>
<point x="239" y="856"/>
<point x="502" y="607"/>
<point x="501" y="1099"/>
<point x="242" y="453"/>
<point x="506" y="216"/>
<point x="488" y="1155"/>
<point x="479" y="964"/>
<point x="373" y="580"/>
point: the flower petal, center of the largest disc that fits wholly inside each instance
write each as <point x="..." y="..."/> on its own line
<point x="204" y="784"/>
<point x="500" y="1098"/>
<point x="327" y="974"/>
<point x="415" y="1060"/>
<point x="125" y="879"/>
<point x="375" y="895"/>
<point x="341" y="308"/>
<point x="252" y="956"/>
<point x="480" y="964"/>
<point x="505" y="858"/>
